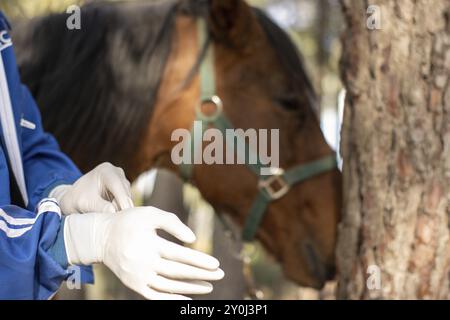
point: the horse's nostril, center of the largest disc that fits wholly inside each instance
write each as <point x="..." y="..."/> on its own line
<point x="322" y="271"/>
<point x="315" y="264"/>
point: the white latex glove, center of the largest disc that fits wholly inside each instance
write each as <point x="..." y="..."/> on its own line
<point x="127" y="243"/>
<point x="104" y="189"/>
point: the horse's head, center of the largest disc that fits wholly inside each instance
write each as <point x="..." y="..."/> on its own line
<point x="262" y="83"/>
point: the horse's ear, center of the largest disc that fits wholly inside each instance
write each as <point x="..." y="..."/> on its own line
<point x="230" y="21"/>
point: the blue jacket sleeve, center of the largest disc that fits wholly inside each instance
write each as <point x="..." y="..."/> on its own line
<point x="27" y="267"/>
<point x="45" y="165"/>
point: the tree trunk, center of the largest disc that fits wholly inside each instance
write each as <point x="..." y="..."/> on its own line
<point x="396" y="151"/>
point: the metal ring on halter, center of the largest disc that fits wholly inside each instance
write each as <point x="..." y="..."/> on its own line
<point x="268" y="184"/>
<point x="217" y="102"/>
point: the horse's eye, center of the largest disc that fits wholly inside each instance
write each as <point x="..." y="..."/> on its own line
<point x="288" y="102"/>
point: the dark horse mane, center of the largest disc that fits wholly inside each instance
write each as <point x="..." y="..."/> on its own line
<point x="110" y="72"/>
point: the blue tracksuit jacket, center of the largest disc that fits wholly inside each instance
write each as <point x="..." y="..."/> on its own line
<point x="32" y="254"/>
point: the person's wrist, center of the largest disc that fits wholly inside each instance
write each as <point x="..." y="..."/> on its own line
<point x="101" y="229"/>
<point x="84" y="237"/>
<point x="58" y="194"/>
<point x="59" y="191"/>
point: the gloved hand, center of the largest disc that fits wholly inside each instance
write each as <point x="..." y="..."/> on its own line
<point x="104" y="189"/>
<point x="128" y="244"/>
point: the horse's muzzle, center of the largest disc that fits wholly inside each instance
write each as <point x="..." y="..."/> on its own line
<point x="321" y="270"/>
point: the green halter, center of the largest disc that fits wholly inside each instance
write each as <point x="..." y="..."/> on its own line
<point x="270" y="188"/>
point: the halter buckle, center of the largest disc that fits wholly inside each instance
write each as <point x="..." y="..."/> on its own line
<point x="275" y="186"/>
<point x="218" y="104"/>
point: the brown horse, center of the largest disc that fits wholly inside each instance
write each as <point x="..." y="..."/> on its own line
<point x="116" y="90"/>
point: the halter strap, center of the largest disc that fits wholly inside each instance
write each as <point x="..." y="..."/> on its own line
<point x="266" y="193"/>
<point x="270" y="188"/>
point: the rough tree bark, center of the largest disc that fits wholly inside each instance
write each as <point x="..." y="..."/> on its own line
<point x="396" y="150"/>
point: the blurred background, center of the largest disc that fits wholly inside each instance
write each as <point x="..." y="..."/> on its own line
<point x="315" y="27"/>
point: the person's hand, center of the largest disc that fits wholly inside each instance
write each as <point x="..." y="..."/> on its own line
<point x="104" y="189"/>
<point x="128" y="244"/>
